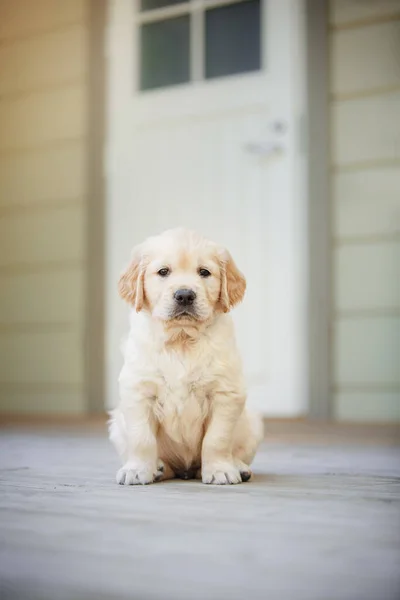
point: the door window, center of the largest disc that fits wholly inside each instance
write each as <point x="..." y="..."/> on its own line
<point x="183" y="42"/>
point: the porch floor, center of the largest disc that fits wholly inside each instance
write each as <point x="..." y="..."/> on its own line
<point x="320" y="521"/>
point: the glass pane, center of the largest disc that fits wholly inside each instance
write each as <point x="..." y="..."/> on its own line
<point x="164" y="51"/>
<point x="233" y="39"/>
<point x="152" y="4"/>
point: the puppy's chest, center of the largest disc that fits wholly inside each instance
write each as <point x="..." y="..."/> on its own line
<point x="183" y="389"/>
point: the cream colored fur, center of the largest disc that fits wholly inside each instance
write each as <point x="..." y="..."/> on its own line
<point x="182" y="394"/>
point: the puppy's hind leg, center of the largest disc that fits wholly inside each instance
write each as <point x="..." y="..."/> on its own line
<point x="248" y="435"/>
<point x="164" y="471"/>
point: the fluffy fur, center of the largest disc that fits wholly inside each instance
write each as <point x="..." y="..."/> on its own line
<point x="182" y="406"/>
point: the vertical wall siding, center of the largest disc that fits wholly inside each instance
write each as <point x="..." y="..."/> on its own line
<point x="43" y="195"/>
<point x="365" y="155"/>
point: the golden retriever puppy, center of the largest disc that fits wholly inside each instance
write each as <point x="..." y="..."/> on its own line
<point x="182" y="406"/>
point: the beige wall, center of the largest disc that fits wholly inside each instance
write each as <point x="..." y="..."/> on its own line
<point x="365" y="154"/>
<point x="43" y="194"/>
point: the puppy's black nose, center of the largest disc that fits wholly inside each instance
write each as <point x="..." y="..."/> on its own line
<point x="185" y="297"/>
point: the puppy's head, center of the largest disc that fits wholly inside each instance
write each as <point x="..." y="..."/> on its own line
<point x="181" y="277"/>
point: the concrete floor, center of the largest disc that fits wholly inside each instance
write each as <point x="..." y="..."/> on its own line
<point x="320" y="521"/>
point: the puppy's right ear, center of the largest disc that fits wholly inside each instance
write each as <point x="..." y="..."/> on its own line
<point x="131" y="283"/>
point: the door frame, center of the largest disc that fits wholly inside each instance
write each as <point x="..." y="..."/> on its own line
<point x="95" y="291"/>
<point x="316" y="136"/>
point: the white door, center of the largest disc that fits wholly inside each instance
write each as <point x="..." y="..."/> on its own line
<point x="205" y="106"/>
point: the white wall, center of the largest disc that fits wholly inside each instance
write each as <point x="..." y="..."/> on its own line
<point x="365" y="126"/>
<point x="43" y="189"/>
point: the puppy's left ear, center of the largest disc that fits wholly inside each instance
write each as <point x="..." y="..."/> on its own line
<point x="131" y="282"/>
<point x="233" y="282"/>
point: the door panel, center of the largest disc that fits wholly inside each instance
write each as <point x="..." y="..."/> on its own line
<point x="220" y="156"/>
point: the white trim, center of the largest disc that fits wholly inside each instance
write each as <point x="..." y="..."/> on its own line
<point x="319" y="256"/>
<point x="197" y="47"/>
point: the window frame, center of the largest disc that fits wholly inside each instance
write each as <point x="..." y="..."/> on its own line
<point x="196" y="10"/>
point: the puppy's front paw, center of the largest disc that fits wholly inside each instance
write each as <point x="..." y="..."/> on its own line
<point x="221" y="473"/>
<point x="140" y="473"/>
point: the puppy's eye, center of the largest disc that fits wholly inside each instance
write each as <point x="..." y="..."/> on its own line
<point x="204" y="273"/>
<point x="163" y="272"/>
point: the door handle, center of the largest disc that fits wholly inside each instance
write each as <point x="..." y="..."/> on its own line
<point x="264" y="149"/>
